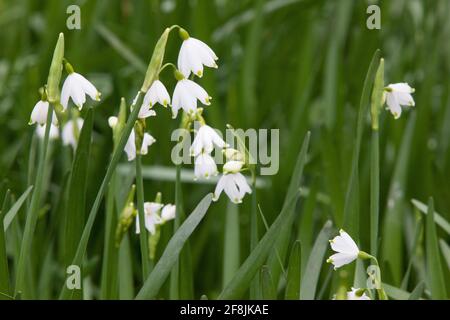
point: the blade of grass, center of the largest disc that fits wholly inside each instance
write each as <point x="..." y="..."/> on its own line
<point x="438" y="219"/>
<point x="445" y="252"/>
<point x="4" y="270"/>
<point x="76" y="200"/>
<point x="282" y="242"/>
<point x="294" y="273"/>
<point x="351" y="206"/>
<point x="315" y="262"/>
<point x="267" y="286"/>
<point x="170" y="255"/>
<point x="417" y="292"/>
<point x="11" y="214"/>
<point x="394" y="217"/>
<point x="436" y="280"/>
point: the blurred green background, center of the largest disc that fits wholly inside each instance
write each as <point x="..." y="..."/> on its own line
<point x="295" y="65"/>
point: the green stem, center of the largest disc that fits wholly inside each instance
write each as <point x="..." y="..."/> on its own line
<point x="374" y="192"/>
<point x="143" y="238"/>
<point x="33" y="211"/>
<point x="255" y="288"/>
<point x="175" y="273"/>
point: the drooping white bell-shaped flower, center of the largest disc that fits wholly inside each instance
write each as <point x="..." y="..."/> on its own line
<point x="193" y="55"/>
<point x="205" y="139"/>
<point x="185" y="97"/>
<point x="346" y="248"/>
<point x="151" y="218"/>
<point x="130" y="147"/>
<point x="53" y="133"/>
<point x="168" y="212"/>
<point x="357" y="294"/>
<point x="77" y="87"/>
<point x="204" y="166"/>
<point x="40" y="112"/>
<point x="235" y="186"/>
<point x="398" y="95"/>
<point x="71" y="131"/>
<point x="156" y="94"/>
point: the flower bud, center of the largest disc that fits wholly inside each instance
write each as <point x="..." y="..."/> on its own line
<point x="54" y="76"/>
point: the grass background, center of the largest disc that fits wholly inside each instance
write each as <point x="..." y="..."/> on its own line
<point x="296" y="65"/>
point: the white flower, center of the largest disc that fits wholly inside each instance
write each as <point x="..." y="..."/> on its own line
<point x="130" y="147"/>
<point x="185" y="97"/>
<point x="156" y="94"/>
<point x="68" y="132"/>
<point x="77" y="87"/>
<point x="346" y="248"/>
<point x="235" y="186"/>
<point x="398" y="95"/>
<point x="232" y="166"/>
<point x="205" y="166"/>
<point x="53" y="133"/>
<point x="193" y="55"/>
<point x="355" y="294"/>
<point x="39" y="114"/>
<point x="204" y="140"/>
<point x="168" y="212"/>
<point x="151" y="218"/>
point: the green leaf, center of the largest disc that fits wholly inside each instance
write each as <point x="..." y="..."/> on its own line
<point x="393" y="230"/>
<point x="438" y="219"/>
<point x="282" y="242"/>
<point x="396" y="293"/>
<point x="417" y="292"/>
<point x="315" y="263"/>
<point x="294" y="273"/>
<point x="241" y="280"/>
<point x="351" y="206"/>
<point x="4" y="270"/>
<point x="9" y="216"/>
<point x="267" y="286"/>
<point x="76" y="199"/>
<point x="170" y="256"/>
<point x="436" y="280"/>
<point x="445" y="252"/>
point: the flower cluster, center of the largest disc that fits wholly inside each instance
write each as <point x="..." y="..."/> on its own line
<point x="75" y="88"/>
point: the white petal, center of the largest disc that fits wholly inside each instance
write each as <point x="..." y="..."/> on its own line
<point x="130" y="147"/>
<point x="168" y="212"/>
<point x="197" y="91"/>
<point x="340" y="259"/>
<point x="88" y="87"/>
<point x="219" y="187"/>
<point x="232" y="166"/>
<point x="393" y="105"/>
<point x="401" y="87"/>
<point x="146" y="142"/>
<point x="242" y="184"/>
